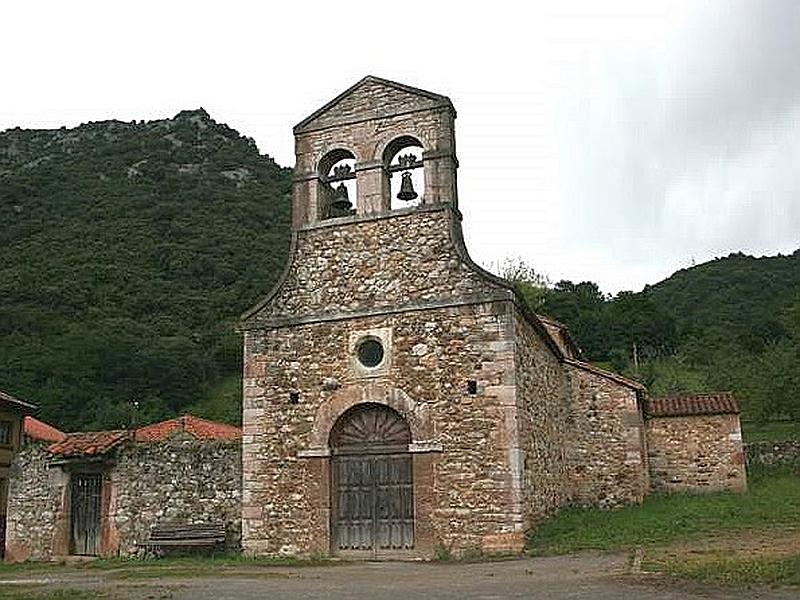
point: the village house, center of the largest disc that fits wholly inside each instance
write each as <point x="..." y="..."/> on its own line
<point x="12" y="412"/>
<point x="694" y="443"/>
<point x="101" y="493"/>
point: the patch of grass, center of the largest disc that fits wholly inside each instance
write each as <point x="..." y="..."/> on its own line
<point x="198" y="565"/>
<point x="772" y="431"/>
<point x="748" y="538"/>
<point x="733" y="570"/>
<point x="31" y="567"/>
<point x="170" y="566"/>
<point x="38" y="592"/>
<point x="192" y="561"/>
<point x="771" y="502"/>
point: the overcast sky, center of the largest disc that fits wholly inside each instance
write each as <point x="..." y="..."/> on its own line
<point x="608" y="141"/>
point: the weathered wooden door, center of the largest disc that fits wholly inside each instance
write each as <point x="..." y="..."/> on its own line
<point x="372" y="482"/>
<point x="85" y="513"/>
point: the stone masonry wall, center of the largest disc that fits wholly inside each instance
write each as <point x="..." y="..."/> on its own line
<point x="784" y="453"/>
<point x="605" y="446"/>
<point x="384" y="262"/>
<point x="541" y="395"/>
<point x="465" y="499"/>
<point x="181" y="480"/>
<point x="35" y="496"/>
<point x="696" y="453"/>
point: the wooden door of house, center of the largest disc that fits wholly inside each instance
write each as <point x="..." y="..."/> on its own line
<point x="372" y="482"/>
<point x="85" y="513"/>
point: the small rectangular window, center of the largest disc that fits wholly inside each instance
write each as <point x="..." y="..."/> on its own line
<point x="5" y="433"/>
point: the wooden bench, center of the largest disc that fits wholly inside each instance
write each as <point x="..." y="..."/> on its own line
<point x="186" y="536"/>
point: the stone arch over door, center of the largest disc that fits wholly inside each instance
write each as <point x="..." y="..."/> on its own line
<point x="423" y="448"/>
<point x="372" y="485"/>
<point x="329" y="411"/>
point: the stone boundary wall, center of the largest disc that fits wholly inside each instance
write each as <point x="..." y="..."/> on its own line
<point x="181" y="480"/>
<point x="696" y="453"/>
<point x="773" y="454"/>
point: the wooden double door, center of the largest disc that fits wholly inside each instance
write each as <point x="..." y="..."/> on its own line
<point x="372" y="483"/>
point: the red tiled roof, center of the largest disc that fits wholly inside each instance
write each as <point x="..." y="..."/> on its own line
<point x="715" y="403"/>
<point x="88" y="443"/>
<point x="92" y="443"/>
<point x="41" y="431"/>
<point x="201" y="429"/>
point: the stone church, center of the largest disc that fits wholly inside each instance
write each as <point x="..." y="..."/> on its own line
<point x="399" y="400"/>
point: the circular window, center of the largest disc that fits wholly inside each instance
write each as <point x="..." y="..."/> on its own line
<point x="370" y="352"/>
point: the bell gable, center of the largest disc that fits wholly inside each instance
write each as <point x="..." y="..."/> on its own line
<point x="371" y="98"/>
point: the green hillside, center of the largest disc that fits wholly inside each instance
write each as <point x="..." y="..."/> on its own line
<point x="729" y="324"/>
<point x="738" y="323"/>
<point x="127" y="252"/>
<point x="739" y="299"/>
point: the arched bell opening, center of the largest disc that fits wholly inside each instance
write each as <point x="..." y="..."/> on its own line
<point x="372" y="491"/>
<point x="338" y="189"/>
<point x="402" y="159"/>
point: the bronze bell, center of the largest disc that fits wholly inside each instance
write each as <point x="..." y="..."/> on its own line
<point x="340" y="205"/>
<point x="406" y="188"/>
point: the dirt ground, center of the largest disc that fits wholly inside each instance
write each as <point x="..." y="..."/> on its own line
<point x="589" y="577"/>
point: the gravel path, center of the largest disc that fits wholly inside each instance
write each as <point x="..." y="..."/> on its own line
<point x="565" y="577"/>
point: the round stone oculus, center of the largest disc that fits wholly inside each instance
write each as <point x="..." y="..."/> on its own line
<point x="370" y="352"/>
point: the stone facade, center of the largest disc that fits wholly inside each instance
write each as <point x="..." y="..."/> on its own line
<point x="12" y="414"/>
<point x="180" y="479"/>
<point x="606" y="449"/>
<point x="35" y="493"/>
<point x="696" y="453"/>
<point x="540" y="399"/>
<point x="494" y="397"/>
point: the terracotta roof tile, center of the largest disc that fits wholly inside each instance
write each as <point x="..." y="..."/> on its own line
<point x="88" y="443"/>
<point x="93" y="443"/>
<point x="201" y="429"/>
<point x="41" y="431"/>
<point x="714" y="403"/>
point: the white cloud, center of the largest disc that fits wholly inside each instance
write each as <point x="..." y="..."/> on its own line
<point x="609" y="141"/>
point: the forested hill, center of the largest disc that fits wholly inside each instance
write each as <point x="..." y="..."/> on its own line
<point x="738" y="298"/>
<point x="729" y="324"/>
<point x="127" y="252"/>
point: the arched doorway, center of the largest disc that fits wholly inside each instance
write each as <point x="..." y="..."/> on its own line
<point x="372" y="485"/>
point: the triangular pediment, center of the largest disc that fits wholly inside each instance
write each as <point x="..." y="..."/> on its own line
<point x="371" y="98"/>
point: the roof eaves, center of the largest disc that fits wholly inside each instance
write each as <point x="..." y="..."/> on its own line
<point x="20" y="405"/>
<point x="443" y="100"/>
<point x="606" y="374"/>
